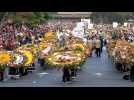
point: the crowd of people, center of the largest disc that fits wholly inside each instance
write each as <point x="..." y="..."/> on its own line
<point x="102" y="34"/>
<point x="16" y="35"/>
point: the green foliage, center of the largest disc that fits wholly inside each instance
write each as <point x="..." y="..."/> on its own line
<point x="79" y="49"/>
<point x="1" y="15"/>
<point x="30" y="18"/>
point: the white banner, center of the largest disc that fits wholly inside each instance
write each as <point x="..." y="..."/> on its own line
<point x="115" y="24"/>
<point x="90" y="26"/>
<point x="125" y="24"/>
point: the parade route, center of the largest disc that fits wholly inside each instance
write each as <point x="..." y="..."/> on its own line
<point x="96" y="72"/>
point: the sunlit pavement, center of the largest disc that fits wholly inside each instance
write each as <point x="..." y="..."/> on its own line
<point x="96" y="72"/>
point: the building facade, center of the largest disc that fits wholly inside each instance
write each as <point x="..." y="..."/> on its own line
<point x="72" y="16"/>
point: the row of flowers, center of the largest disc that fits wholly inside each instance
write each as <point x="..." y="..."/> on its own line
<point x="121" y="51"/>
<point x="21" y="57"/>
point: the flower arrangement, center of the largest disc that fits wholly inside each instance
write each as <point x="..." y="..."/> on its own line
<point x="121" y="52"/>
<point x="5" y="57"/>
<point x="17" y="60"/>
<point x="49" y="35"/>
<point x="30" y="47"/>
<point x="67" y="58"/>
<point x="71" y="55"/>
<point x="29" y="57"/>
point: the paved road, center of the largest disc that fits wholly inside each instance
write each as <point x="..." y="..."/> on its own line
<point x="96" y="72"/>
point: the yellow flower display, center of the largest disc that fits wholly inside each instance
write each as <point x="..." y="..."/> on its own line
<point x="49" y="34"/>
<point x="5" y="57"/>
<point x="31" y="47"/>
<point x="64" y="58"/>
<point x="78" y="45"/>
<point x="28" y="55"/>
<point x="17" y="60"/>
<point x="42" y="45"/>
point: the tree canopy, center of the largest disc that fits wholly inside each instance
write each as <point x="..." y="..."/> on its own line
<point x="30" y="18"/>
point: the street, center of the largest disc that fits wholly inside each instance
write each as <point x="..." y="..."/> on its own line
<point x="96" y="72"/>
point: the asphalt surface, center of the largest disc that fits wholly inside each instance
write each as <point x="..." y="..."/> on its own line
<point x="96" y="72"/>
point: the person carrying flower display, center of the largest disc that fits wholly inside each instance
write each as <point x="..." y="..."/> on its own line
<point x="1" y="73"/>
<point x="132" y="74"/>
<point x="66" y="74"/>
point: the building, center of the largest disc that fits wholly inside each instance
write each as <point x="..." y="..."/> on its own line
<point x="74" y="16"/>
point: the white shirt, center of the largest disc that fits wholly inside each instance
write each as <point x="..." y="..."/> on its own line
<point x="85" y="41"/>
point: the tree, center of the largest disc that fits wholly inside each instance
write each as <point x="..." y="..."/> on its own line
<point x="31" y="18"/>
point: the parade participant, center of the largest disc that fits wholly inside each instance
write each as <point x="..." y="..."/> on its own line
<point x="61" y="38"/>
<point x="73" y="72"/>
<point x="90" y="45"/>
<point x="41" y="61"/>
<point x="66" y="74"/>
<point x="114" y="35"/>
<point x="101" y="33"/>
<point x="101" y="43"/>
<point x="97" y="45"/>
<point x="2" y="74"/>
<point x="132" y="74"/>
<point x="85" y="40"/>
<point x="94" y="39"/>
